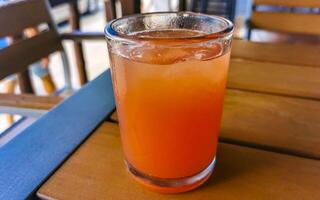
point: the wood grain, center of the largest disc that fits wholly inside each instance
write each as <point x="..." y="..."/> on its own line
<point x="276" y="123"/>
<point x="283" y="123"/>
<point x="295" y="54"/>
<point x="286" y="22"/>
<point x="15" y="16"/>
<point x="96" y="171"/>
<point x="33" y="155"/>
<point x="289" y="3"/>
<point x="274" y="78"/>
<point x="28" y="51"/>
<point x="29" y="101"/>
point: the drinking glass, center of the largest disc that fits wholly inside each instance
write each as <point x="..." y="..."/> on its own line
<point x="169" y="73"/>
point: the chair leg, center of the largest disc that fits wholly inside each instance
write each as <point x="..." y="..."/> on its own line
<point x="78" y="50"/>
<point x="109" y="9"/>
<point x="48" y="84"/>
<point x="24" y="82"/>
<point x="66" y="69"/>
<point x="75" y="24"/>
<point x="182" y="5"/>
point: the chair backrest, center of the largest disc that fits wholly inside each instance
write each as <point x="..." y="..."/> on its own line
<point x="74" y="11"/>
<point x="128" y="7"/>
<point x="74" y="20"/>
<point x="290" y="22"/>
<point x="15" y="17"/>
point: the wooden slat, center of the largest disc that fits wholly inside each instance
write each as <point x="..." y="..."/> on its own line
<point x="29" y="101"/>
<point x="275" y="78"/>
<point x="127" y="7"/>
<point x="289" y="3"/>
<point x="19" y="55"/>
<point x="20" y="14"/>
<point x="182" y="5"/>
<point x="284" y="124"/>
<point x="108" y="10"/>
<point x="295" y="54"/>
<point x="78" y="50"/>
<point x="130" y="7"/>
<point x="24" y="82"/>
<point x="276" y="123"/>
<point x="29" y="158"/>
<point x="78" y="36"/>
<point x="97" y="171"/>
<point x="286" y="22"/>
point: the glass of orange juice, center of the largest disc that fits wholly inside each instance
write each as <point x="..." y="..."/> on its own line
<point x="169" y="74"/>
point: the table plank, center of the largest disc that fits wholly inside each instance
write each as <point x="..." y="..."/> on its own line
<point x="28" y="159"/>
<point x="277" y="123"/>
<point x="290" y="3"/>
<point x="285" y="124"/>
<point x="274" y="78"/>
<point x="286" y="53"/>
<point x="96" y="171"/>
<point x="287" y="22"/>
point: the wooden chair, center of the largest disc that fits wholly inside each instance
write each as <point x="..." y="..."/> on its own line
<point x="288" y="22"/>
<point x="74" y="21"/>
<point x="14" y="18"/>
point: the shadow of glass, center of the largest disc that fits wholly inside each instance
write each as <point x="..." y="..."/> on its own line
<point x="234" y="161"/>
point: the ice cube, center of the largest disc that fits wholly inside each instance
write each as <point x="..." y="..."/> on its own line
<point x="170" y="55"/>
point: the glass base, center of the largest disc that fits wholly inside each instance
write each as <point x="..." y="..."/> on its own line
<point x="169" y="185"/>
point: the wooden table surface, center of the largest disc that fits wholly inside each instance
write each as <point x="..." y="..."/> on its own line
<point x="97" y="171"/>
<point x="269" y="140"/>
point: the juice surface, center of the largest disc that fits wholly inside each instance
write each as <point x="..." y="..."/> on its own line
<point x="169" y="104"/>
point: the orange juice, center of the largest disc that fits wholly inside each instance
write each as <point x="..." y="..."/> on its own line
<point x="169" y="104"/>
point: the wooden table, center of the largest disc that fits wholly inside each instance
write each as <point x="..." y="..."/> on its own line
<point x="269" y="140"/>
<point x="96" y="171"/>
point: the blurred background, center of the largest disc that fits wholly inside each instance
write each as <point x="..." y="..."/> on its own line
<point x="91" y="56"/>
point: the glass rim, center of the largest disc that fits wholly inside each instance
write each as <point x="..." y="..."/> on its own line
<point x="113" y="34"/>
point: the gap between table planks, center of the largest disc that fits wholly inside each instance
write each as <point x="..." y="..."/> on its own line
<point x="277" y="123"/>
<point x="279" y="175"/>
<point x="284" y="53"/>
<point x="275" y="78"/>
<point x="264" y="89"/>
<point x="97" y="171"/>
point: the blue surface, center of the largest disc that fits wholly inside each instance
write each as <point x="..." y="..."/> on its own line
<point x="27" y="160"/>
<point x="3" y="43"/>
<point x="11" y="127"/>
